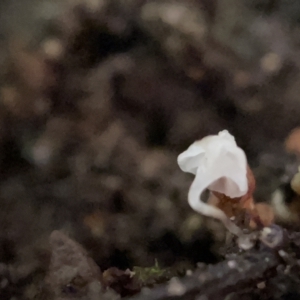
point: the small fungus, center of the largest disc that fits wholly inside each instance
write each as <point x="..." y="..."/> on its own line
<point x="220" y="166"/>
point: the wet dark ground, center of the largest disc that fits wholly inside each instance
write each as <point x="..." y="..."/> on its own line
<point x="97" y="100"/>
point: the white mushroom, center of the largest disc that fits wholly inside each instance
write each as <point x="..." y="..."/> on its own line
<point x="219" y="165"/>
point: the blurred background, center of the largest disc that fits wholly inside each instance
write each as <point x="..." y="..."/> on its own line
<point x="98" y="98"/>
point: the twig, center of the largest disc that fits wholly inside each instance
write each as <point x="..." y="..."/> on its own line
<point x="219" y="280"/>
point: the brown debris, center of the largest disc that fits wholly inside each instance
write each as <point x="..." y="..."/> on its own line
<point x="292" y="142"/>
<point x="266" y="213"/>
<point x="123" y="282"/>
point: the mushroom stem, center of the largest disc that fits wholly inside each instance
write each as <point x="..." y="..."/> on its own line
<point x="194" y="199"/>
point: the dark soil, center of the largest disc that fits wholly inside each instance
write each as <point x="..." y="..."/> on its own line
<point x="97" y="99"/>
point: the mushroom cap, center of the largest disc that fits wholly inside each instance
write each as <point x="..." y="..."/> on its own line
<point x="218" y="163"/>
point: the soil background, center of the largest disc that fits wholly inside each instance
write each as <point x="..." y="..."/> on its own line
<point x="98" y="98"/>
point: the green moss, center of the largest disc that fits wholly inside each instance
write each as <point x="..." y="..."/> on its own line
<point x="153" y="275"/>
